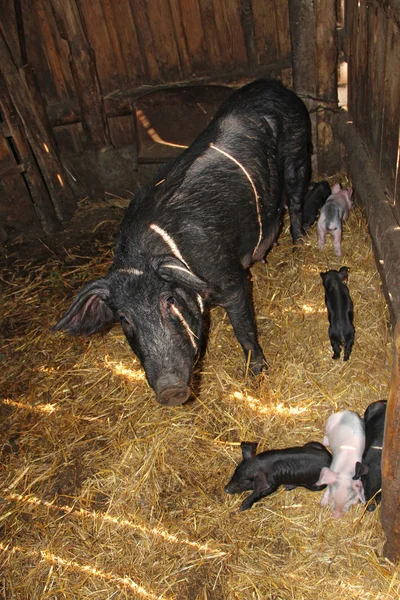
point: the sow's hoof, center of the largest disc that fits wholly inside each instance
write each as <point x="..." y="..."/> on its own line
<point x="173" y="396"/>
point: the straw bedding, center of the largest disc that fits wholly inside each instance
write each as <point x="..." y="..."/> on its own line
<point x="106" y="494"/>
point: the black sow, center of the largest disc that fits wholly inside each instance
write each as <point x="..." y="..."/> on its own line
<point x="188" y="237"/>
<point x="265" y="472"/>
<point x="369" y="471"/>
<point x="340" y="311"/>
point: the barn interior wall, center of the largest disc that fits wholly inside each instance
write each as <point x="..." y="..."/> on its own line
<point x="73" y="72"/>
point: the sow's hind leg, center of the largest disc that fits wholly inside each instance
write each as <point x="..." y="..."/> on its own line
<point x="297" y="178"/>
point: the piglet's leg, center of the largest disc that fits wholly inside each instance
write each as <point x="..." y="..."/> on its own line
<point x="348" y="345"/>
<point x="321" y="235"/>
<point x="337" y="239"/>
<point x="261" y="490"/>
<point x="239" y="309"/>
<point x="325" y="498"/>
<point x="335" y="343"/>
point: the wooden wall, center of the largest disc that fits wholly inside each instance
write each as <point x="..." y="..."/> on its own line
<point x="374" y="85"/>
<point x="72" y="72"/>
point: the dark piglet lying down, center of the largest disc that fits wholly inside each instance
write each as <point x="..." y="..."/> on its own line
<point x="369" y="470"/>
<point x="265" y="472"/>
<point x="317" y="194"/>
<point x="188" y="237"/>
<point x="340" y="311"/>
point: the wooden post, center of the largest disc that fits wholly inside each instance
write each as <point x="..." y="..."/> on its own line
<point x="390" y="509"/>
<point x="42" y="147"/>
<point x="84" y="72"/>
<point x="302" y="34"/>
<point x="328" y="151"/>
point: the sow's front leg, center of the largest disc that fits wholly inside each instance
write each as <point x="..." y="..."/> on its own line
<point x="238" y="306"/>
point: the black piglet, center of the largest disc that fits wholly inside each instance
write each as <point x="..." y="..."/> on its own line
<point x="340" y="311"/>
<point x="369" y="471"/>
<point x="265" y="472"/>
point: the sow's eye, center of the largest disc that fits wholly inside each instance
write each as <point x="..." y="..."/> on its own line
<point x="170" y="301"/>
<point x="125" y="322"/>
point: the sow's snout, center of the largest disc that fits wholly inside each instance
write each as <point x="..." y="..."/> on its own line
<point x="170" y="392"/>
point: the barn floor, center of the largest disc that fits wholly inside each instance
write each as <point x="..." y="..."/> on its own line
<point x="106" y="494"/>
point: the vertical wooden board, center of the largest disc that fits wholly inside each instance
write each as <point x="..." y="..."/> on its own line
<point x="391" y="121"/>
<point x="7" y="159"/>
<point x="189" y="31"/>
<point x="164" y="39"/>
<point x="35" y="51"/>
<point x="70" y="138"/>
<point x="230" y="33"/>
<point x="266" y="31"/>
<point x="214" y="62"/>
<point x="56" y="52"/>
<point x="283" y="29"/>
<point x="351" y="28"/>
<point x="122" y="131"/>
<point x="145" y="36"/>
<point x="360" y="116"/>
<point x="8" y="23"/>
<point x="95" y="26"/>
<point x="124" y="22"/>
<point x="378" y="35"/>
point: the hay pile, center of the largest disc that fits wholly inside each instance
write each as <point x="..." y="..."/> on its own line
<point x="106" y="494"/>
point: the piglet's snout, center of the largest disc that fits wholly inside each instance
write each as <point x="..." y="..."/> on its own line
<point x="171" y="393"/>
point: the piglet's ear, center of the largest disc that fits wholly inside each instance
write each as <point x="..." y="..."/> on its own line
<point x="248" y="450"/>
<point x="344" y="273"/>
<point x="323" y="276"/>
<point x="89" y="312"/>
<point x="174" y="270"/>
<point x="336" y="188"/>
<point x="326" y="477"/>
<point x="361" y="470"/>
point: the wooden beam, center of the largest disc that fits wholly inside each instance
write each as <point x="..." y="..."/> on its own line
<point x="83" y="67"/>
<point x="42" y="147"/>
<point x="390" y="509"/>
<point x="247" y="18"/>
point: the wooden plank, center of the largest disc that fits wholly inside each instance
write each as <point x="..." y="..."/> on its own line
<point x="8" y="24"/>
<point x="391" y="119"/>
<point x="360" y="96"/>
<point x="16" y="208"/>
<point x="83" y="68"/>
<point x="56" y="51"/>
<point x="189" y="31"/>
<point x="94" y="24"/>
<point x="122" y="131"/>
<point x="214" y="60"/>
<point x="145" y="36"/>
<point x="128" y="43"/>
<point x="351" y="26"/>
<point x="390" y="509"/>
<point x="302" y="31"/>
<point x="47" y="158"/>
<point x="328" y="151"/>
<point x="70" y="139"/>
<point x="248" y="25"/>
<point x="230" y="33"/>
<point x="283" y="29"/>
<point x="164" y="41"/>
<point x="266" y="31"/>
<point x="377" y="75"/>
<point x="33" y="178"/>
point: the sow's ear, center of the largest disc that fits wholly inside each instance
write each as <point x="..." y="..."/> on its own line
<point x="248" y="450"/>
<point x="174" y="270"/>
<point x="89" y="311"/>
